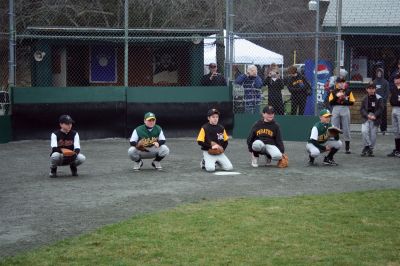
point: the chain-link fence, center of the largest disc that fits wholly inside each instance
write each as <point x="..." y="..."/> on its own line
<point x="184" y="43"/>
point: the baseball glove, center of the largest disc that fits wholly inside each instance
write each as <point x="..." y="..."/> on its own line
<point x="334" y="131"/>
<point x="69" y="156"/>
<point x="67" y="152"/>
<point x="141" y="145"/>
<point x="284" y="162"/>
<point x="217" y="151"/>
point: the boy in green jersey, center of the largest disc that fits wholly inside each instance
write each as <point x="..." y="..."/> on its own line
<point x="320" y="140"/>
<point x="147" y="142"/>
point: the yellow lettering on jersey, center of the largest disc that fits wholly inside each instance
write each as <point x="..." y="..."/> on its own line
<point x="264" y="131"/>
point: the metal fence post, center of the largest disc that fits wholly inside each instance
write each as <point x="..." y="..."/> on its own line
<point x="126" y="48"/>
<point x="11" y="62"/>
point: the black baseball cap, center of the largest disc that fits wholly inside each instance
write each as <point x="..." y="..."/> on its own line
<point x="212" y="111"/>
<point x="65" y="119"/>
<point x="269" y="110"/>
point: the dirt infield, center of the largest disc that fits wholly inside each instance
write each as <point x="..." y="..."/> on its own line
<point x="36" y="210"/>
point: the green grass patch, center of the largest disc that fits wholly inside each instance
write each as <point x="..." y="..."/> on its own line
<point x="360" y="228"/>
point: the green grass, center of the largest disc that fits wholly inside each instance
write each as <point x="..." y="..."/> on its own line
<point x="340" y="229"/>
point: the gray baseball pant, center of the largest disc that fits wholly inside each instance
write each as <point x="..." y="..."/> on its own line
<point x="56" y="159"/>
<point x="369" y="131"/>
<point x="341" y="119"/>
<point x="267" y="149"/>
<point x="152" y="152"/>
<point x="210" y="161"/>
<point x="396" y="121"/>
<point x="315" y="152"/>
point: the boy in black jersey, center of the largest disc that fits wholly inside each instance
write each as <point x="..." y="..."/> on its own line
<point x="371" y="111"/>
<point x="265" y="138"/>
<point x="213" y="132"/>
<point x="65" y="138"/>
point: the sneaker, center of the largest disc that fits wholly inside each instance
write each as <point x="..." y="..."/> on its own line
<point x="254" y="161"/>
<point x="348" y="151"/>
<point x="53" y="172"/>
<point x="202" y="164"/>
<point x="392" y="154"/>
<point x="156" y="165"/>
<point x="365" y="151"/>
<point x="137" y="165"/>
<point x="328" y="161"/>
<point x="267" y="160"/>
<point x="370" y="152"/>
<point x="74" y="170"/>
<point x="311" y="161"/>
<point x="397" y="154"/>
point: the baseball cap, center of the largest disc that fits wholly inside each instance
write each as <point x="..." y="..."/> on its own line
<point x="325" y="113"/>
<point x="212" y="111"/>
<point x="149" y="116"/>
<point x="269" y="110"/>
<point x="211" y="65"/>
<point x="65" y="119"/>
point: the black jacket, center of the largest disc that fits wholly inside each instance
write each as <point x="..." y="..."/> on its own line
<point x="372" y="104"/>
<point x="298" y="86"/>
<point x="267" y="132"/>
<point x="395" y="97"/>
<point x="217" y="80"/>
<point x="274" y="88"/>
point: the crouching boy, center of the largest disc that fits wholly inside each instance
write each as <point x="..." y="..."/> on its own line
<point x="321" y="141"/>
<point x="65" y="147"/>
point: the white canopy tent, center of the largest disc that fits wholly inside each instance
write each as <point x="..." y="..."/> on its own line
<point x="244" y="52"/>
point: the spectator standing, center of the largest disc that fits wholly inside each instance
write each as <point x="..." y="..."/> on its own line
<point x="275" y="86"/>
<point x="299" y="89"/>
<point x="251" y="84"/>
<point x="213" y="78"/>
<point x="383" y="90"/>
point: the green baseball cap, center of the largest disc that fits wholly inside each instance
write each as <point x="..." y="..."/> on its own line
<point x="149" y="116"/>
<point x="325" y="113"/>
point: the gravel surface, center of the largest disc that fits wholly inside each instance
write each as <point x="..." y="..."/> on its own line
<point x="36" y="210"/>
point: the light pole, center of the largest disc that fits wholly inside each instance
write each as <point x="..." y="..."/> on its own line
<point x="338" y="36"/>
<point x="314" y="6"/>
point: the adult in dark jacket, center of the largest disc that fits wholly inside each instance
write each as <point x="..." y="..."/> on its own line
<point x="275" y="86"/>
<point x="371" y="112"/>
<point x="382" y="89"/>
<point x="299" y="89"/>
<point x="265" y="138"/>
<point x="213" y="78"/>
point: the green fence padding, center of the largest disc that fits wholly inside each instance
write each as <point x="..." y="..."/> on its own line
<point x="178" y="94"/>
<point x="5" y="129"/>
<point x="22" y="95"/>
<point x="294" y="128"/>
